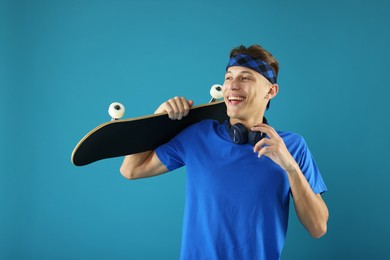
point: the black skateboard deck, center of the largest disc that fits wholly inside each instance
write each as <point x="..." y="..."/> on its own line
<point x="130" y="136"/>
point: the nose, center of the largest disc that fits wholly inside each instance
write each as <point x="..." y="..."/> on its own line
<point x="233" y="84"/>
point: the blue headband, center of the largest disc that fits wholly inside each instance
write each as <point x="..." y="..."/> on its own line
<point x="258" y="65"/>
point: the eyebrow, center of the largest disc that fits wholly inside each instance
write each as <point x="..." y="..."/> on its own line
<point x="241" y="72"/>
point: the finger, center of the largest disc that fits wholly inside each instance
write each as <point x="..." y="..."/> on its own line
<point x="183" y="107"/>
<point x="262" y="151"/>
<point x="176" y="107"/>
<point x="186" y="106"/>
<point x="172" y="108"/>
<point x="260" y="144"/>
<point x="179" y="108"/>
<point x="267" y="150"/>
<point x="164" y="108"/>
<point x="270" y="131"/>
<point x="190" y="104"/>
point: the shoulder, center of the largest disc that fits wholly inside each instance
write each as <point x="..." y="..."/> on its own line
<point x="290" y="136"/>
<point x="293" y="140"/>
<point x="207" y="124"/>
<point x="297" y="146"/>
<point x="204" y="126"/>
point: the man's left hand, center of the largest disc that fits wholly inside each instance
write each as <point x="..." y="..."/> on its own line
<point x="273" y="147"/>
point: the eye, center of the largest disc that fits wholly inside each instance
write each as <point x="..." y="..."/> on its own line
<point x="228" y="78"/>
<point x="245" y="78"/>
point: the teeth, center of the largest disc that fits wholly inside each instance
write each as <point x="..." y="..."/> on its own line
<point x="236" y="98"/>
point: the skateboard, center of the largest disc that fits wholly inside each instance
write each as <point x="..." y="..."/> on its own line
<point x="135" y="135"/>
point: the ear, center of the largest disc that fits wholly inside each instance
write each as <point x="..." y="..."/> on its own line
<point x="273" y="91"/>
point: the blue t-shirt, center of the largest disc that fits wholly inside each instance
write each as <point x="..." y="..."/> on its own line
<point x="236" y="205"/>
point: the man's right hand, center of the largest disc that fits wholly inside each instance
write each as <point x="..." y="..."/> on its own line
<point x="177" y="107"/>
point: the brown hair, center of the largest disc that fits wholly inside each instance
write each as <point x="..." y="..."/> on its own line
<point x="258" y="52"/>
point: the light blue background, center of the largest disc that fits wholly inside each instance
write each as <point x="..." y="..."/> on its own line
<point x="64" y="62"/>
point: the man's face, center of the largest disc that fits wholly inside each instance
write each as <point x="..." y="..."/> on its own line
<point x="246" y="94"/>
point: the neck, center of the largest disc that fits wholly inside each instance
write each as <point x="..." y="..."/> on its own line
<point x="248" y="123"/>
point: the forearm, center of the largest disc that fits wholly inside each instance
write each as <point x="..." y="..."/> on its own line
<point x="147" y="164"/>
<point x="310" y="208"/>
<point x="141" y="165"/>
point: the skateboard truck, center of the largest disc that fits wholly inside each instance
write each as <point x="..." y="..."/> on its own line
<point x="216" y="92"/>
<point x="116" y="111"/>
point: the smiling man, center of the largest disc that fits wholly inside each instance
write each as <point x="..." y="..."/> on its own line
<point x="240" y="174"/>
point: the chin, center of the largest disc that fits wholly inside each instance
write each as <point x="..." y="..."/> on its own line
<point x="233" y="115"/>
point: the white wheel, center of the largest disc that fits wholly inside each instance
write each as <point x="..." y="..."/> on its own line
<point x="116" y="110"/>
<point x="216" y="91"/>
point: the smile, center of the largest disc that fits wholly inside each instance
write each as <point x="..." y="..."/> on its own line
<point x="235" y="98"/>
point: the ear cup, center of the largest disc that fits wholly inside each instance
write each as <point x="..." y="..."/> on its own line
<point x="254" y="137"/>
<point x="238" y="133"/>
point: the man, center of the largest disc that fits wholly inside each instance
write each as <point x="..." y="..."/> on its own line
<point x="240" y="174"/>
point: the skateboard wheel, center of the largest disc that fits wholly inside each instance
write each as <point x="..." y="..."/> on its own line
<point x="116" y="110"/>
<point x="216" y="91"/>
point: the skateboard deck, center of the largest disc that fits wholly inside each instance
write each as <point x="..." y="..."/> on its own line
<point x="135" y="135"/>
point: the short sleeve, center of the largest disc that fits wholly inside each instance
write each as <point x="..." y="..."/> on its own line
<point x="298" y="148"/>
<point x="309" y="168"/>
<point x="173" y="153"/>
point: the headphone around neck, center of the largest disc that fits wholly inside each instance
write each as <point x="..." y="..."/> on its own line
<point x="240" y="135"/>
